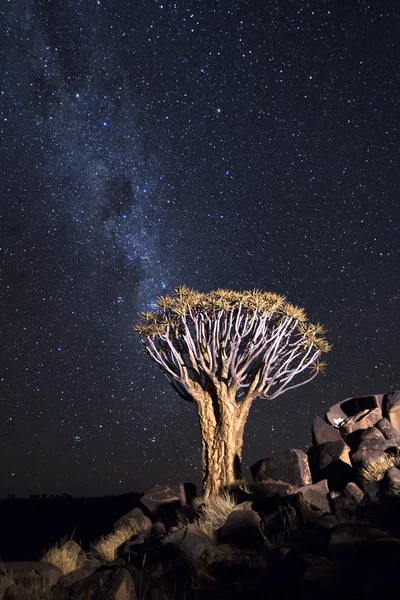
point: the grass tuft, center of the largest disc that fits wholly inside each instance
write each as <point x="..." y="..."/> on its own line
<point x="375" y="471"/>
<point x="106" y="547"/>
<point x="213" y="511"/>
<point x="66" y="554"/>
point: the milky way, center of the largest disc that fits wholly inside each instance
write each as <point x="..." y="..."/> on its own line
<point x="149" y="144"/>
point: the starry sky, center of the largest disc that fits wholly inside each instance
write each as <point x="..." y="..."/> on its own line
<point x="155" y="143"/>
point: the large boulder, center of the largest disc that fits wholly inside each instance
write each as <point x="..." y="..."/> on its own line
<point x="387" y="430"/>
<point x="191" y="542"/>
<point x="316" y="495"/>
<point x="331" y="461"/>
<point x="391" y="409"/>
<point x="135" y="518"/>
<point x="323" y="432"/>
<point x="391" y="482"/>
<point x="242" y="528"/>
<point x="290" y="466"/>
<point x="161" y="501"/>
<point x="350" y="407"/>
<point x="362" y="420"/>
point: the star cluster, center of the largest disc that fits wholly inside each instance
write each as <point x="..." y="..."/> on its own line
<point x="150" y="144"/>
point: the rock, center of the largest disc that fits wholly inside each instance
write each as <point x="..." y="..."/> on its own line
<point x="362" y="420"/>
<point x="331" y="461"/>
<point x="104" y="584"/>
<point x="247" y="505"/>
<point x="388" y="431"/>
<point x="242" y="528"/>
<point x="191" y="542"/>
<point x="269" y="487"/>
<point x="316" y="495"/>
<point x="163" y="500"/>
<point x="158" y="529"/>
<point x="323" y="432"/>
<point x="87" y="569"/>
<point x="5" y="583"/>
<point x="391" y="482"/>
<point x="391" y="409"/>
<point x="371" y="433"/>
<point x="137" y="546"/>
<point x="352" y="406"/>
<point x="136" y="519"/>
<point x="344" y="536"/>
<point x="352" y="493"/>
<point x="290" y="466"/>
<point x="328" y="521"/>
<point x="29" y="571"/>
<point x="18" y="592"/>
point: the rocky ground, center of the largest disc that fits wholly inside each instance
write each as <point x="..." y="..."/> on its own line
<point x="321" y="524"/>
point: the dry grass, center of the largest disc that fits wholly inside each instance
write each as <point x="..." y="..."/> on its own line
<point x="213" y="511"/>
<point x="36" y="590"/>
<point x="105" y="548"/>
<point x="376" y="470"/>
<point x="66" y="554"/>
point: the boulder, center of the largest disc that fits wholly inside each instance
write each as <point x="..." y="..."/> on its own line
<point x="352" y="406"/>
<point x="5" y="583"/>
<point x="391" y="409"/>
<point x="391" y="482"/>
<point x="18" y="592"/>
<point x="242" y="528"/>
<point x="362" y="420"/>
<point x="290" y="466"/>
<point x="87" y="569"/>
<point x="136" y="519"/>
<point x="388" y="431"/>
<point x="346" y="535"/>
<point x="331" y="461"/>
<point x="323" y="432"/>
<point x="29" y="571"/>
<point x="162" y="501"/>
<point x="316" y="495"/>
<point x="269" y="487"/>
<point x="103" y="584"/>
<point x="191" y="542"/>
<point x="352" y="494"/>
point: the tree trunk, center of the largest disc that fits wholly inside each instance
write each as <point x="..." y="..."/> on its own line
<point x="222" y="426"/>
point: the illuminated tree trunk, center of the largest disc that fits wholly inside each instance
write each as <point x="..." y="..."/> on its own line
<point x="222" y="423"/>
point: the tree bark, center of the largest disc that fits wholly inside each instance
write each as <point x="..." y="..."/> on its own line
<point x="222" y="425"/>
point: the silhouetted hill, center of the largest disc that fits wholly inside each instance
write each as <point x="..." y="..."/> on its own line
<point x="29" y="526"/>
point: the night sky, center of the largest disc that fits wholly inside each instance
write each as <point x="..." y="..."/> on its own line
<point x="148" y="144"/>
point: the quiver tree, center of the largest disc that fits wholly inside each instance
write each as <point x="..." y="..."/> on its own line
<point x="221" y="350"/>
